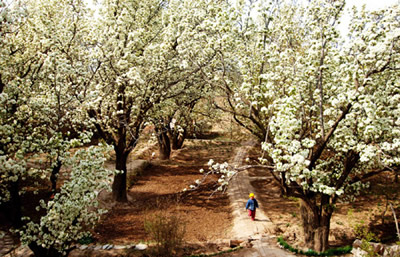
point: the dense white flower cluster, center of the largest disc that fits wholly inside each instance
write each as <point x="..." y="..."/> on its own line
<point x="75" y="208"/>
<point x="302" y="118"/>
<point x="225" y="172"/>
<point x="42" y="83"/>
<point x="326" y="107"/>
<point x="10" y="171"/>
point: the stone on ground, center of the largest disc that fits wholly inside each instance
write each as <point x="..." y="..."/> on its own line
<point x="141" y="247"/>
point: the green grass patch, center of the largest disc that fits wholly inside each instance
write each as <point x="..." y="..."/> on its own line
<point x="329" y="252"/>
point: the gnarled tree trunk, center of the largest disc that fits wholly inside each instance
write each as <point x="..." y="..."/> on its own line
<point x="177" y="139"/>
<point x="119" y="184"/>
<point x="316" y="226"/>
<point x="163" y="143"/>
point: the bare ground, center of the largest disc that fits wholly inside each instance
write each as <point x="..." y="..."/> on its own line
<point x="207" y="218"/>
<point x="160" y="190"/>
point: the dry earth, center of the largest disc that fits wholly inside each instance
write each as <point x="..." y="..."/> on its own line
<point x="159" y="190"/>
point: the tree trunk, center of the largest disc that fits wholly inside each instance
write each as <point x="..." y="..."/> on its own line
<point x="316" y="226"/>
<point x="40" y="251"/>
<point x="53" y="176"/>
<point x="119" y="184"/>
<point x="2" y="85"/>
<point x="164" y="144"/>
<point x="13" y="207"/>
<point x="177" y="139"/>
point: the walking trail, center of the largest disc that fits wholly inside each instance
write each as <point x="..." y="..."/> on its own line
<point x="244" y="228"/>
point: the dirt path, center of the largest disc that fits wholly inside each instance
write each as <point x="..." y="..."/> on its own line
<point x="244" y="228"/>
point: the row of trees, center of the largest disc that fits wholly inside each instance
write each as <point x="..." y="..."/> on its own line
<point x="44" y="73"/>
<point x="325" y="107"/>
<point x="67" y="73"/>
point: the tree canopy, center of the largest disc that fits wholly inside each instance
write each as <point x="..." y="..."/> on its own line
<point x="324" y="106"/>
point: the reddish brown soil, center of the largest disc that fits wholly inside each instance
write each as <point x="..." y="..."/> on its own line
<point x="159" y="190"/>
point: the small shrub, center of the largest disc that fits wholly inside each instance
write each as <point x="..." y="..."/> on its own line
<point x="167" y="232"/>
<point x="362" y="232"/>
<point x="86" y="240"/>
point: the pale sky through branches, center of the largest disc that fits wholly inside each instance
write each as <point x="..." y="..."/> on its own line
<point x="370" y="5"/>
<point x="343" y="27"/>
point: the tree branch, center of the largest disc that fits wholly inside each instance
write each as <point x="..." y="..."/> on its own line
<point x="365" y="176"/>
<point x="2" y="85"/>
<point x="321" y="147"/>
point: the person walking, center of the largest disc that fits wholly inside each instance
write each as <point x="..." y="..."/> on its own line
<point x="251" y="206"/>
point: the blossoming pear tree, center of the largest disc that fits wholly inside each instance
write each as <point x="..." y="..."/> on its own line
<point x="338" y="123"/>
<point x="331" y="103"/>
<point x="18" y="118"/>
<point x="174" y="119"/>
<point x="145" y="52"/>
<point x="9" y="167"/>
<point x="43" y="72"/>
<point x="73" y="210"/>
<point x="63" y="76"/>
<point x="252" y="38"/>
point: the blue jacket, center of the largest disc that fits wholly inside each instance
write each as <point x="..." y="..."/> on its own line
<point x="251" y="204"/>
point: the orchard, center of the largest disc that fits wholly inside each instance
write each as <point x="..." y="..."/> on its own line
<point x="80" y="82"/>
